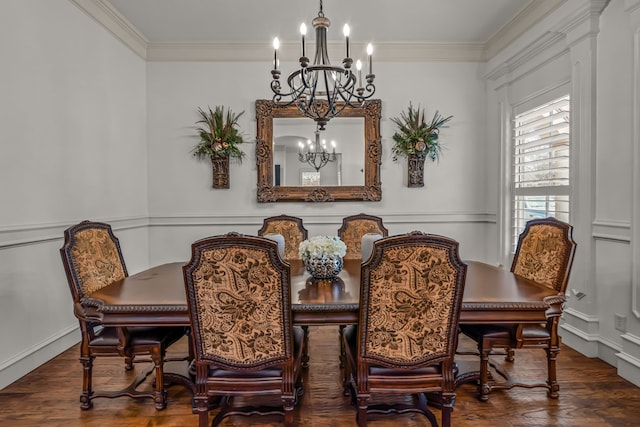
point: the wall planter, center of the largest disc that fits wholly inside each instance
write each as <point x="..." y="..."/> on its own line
<point x="417" y="140"/>
<point x="416" y="170"/>
<point x="219" y="140"/>
<point x="220" y="166"/>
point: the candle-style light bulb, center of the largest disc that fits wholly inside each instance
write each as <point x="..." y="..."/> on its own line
<point x="346" y="30"/>
<point x="370" y="53"/>
<point x="276" y="46"/>
<point x="359" y="68"/>
<point x="303" y="31"/>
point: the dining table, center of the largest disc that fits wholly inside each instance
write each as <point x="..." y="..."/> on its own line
<point x="156" y="297"/>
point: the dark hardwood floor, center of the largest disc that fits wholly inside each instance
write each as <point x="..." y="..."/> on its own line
<point x="591" y="394"/>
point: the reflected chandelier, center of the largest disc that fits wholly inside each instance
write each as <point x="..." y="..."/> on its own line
<point x="321" y="91"/>
<point x="316" y="155"/>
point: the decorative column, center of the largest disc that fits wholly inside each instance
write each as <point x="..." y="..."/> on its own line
<point x="581" y="34"/>
<point x="633" y="8"/>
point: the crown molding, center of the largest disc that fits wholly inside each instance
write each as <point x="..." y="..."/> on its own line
<point x="103" y="12"/>
<point x="526" y="18"/>
<point x="262" y="51"/>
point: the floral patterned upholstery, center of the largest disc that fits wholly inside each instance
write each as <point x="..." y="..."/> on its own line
<point x="544" y="249"/>
<point x="92" y="259"/>
<point x="405" y="341"/>
<point x="238" y="292"/>
<point x="412" y="292"/>
<point x="356" y="226"/>
<point x="97" y="260"/>
<point x="237" y="303"/>
<point x="544" y="254"/>
<point x="290" y="228"/>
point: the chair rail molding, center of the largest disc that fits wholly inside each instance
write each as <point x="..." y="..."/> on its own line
<point x="31" y="234"/>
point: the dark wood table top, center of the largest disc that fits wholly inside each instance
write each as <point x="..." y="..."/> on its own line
<point x="157" y="297"/>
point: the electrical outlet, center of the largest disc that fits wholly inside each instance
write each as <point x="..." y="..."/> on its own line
<point x="620" y="322"/>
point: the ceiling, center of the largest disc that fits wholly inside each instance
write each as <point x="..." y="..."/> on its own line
<point x="441" y="21"/>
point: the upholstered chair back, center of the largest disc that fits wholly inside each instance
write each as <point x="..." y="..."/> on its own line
<point x="239" y="302"/>
<point x="92" y="258"/>
<point x="545" y="253"/>
<point x="354" y="228"/>
<point x="290" y="228"/>
<point x="410" y="296"/>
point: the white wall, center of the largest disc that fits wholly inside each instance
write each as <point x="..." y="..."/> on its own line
<point x="591" y="47"/>
<point x="72" y="147"/>
<point x="617" y="116"/>
<point x="183" y="206"/>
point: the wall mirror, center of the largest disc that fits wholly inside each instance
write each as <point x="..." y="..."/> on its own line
<point x="352" y="171"/>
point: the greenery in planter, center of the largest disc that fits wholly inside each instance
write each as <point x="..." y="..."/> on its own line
<point x="219" y="134"/>
<point x="416" y="136"/>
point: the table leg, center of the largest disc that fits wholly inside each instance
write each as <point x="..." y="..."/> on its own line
<point x="305" y="347"/>
<point x="343" y="354"/>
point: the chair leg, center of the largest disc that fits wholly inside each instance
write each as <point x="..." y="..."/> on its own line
<point x="288" y="404"/>
<point x="203" y="419"/>
<point x="448" y="400"/>
<point x="554" y="387"/>
<point x="201" y="407"/>
<point x="510" y="355"/>
<point x="160" y="397"/>
<point x="128" y="363"/>
<point x="87" y="372"/>
<point x="361" y="417"/>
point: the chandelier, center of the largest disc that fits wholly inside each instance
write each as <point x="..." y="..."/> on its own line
<point x="321" y="90"/>
<point x="316" y="155"/>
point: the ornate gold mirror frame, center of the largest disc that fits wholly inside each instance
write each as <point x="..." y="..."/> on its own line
<point x="267" y="110"/>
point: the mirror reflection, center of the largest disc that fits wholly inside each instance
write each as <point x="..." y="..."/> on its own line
<point x="352" y="172"/>
<point x="306" y="156"/>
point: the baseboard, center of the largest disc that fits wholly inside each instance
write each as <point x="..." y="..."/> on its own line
<point x="608" y="351"/>
<point x="580" y="341"/>
<point x="593" y="345"/>
<point x="629" y="368"/>
<point x="25" y="362"/>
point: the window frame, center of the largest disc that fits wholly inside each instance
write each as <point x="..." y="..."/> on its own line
<point x="566" y="191"/>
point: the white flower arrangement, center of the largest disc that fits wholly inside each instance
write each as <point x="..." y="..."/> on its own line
<point x="319" y="246"/>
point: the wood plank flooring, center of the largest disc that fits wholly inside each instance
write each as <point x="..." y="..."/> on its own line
<point x="591" y="394"/>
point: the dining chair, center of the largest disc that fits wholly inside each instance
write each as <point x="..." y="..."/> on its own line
<point x="291" y="228"/>
<point x="353" y="229"/>
<point x="544" y="254"/>
<point x="239" y="300"/>
<point x="92" y="259"/>
<point x="405" y="341"/>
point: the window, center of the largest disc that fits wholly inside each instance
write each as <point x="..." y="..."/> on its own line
<point x="541" y="149"/>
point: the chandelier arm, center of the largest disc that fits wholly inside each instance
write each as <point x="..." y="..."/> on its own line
<point x="318" y="94"/>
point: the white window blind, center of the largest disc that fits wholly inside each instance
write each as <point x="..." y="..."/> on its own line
<point x="541" y="159"/>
